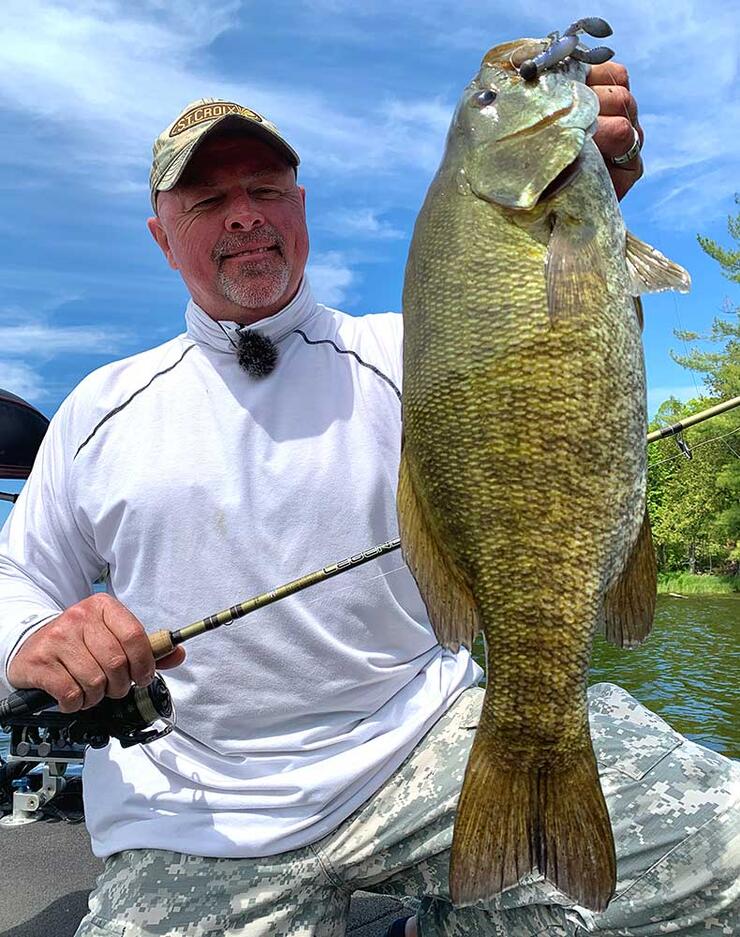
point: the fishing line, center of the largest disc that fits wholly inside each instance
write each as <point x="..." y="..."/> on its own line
<point x="685" y="344"/>
<point x="321" y="597"/>
<point x="687" y="351"/>
<point x="729" y="447"/>
<point x="698" y="445"/>
<point x="626" y="110"/>
<point x="675" y="301"/>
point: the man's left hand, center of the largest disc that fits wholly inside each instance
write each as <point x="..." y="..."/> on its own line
<point x="617" y="118"/>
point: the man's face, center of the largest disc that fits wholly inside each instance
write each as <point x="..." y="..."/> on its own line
<point x="235" y="228"/>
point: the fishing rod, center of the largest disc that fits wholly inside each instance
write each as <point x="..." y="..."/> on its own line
<point x="164" y="642"/>
<point x="131" y="716"/>
<point x="145" y="714"/>
<point x="677" y="428"/>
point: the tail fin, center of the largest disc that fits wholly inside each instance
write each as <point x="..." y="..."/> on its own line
<point x="511" y="821"/>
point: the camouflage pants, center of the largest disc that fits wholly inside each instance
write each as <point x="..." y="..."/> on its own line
<point x="675" y="809"/>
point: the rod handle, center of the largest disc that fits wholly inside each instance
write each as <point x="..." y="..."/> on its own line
<point x="161" y="644"/>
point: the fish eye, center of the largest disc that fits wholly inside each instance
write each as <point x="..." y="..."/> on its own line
<point x="485" y="97"/>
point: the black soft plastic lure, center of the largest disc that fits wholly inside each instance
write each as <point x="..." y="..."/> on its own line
<point x="568" y="45"/>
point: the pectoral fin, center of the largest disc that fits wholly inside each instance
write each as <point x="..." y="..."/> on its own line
<point x="629" y="603"/>
<point x="651" y="271"/>
<point x="574" y="271"/>
<point x="449" y="602"/>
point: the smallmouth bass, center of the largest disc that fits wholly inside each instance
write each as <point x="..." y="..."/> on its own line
<point x="521" y="495"/>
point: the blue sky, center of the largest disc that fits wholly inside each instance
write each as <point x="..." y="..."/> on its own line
<point x="365" y="92"/>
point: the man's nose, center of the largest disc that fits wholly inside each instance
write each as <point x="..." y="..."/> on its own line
<point x="243" y="215"/>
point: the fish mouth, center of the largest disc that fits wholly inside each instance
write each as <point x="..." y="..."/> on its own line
<point x="563" y="178"/>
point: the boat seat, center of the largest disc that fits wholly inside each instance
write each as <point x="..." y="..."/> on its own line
<point x="22" y="427"/>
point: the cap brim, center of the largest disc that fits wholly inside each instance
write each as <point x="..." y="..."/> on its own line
<point x="174" y="171"/>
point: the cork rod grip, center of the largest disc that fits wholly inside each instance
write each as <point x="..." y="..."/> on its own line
<point x="161" y="644"/>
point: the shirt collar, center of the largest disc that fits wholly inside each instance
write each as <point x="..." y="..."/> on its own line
<point x="223" y="335"/>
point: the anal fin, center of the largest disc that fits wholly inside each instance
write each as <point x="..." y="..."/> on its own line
<point x="449" y="602"/>
<point x="629" y="602"/>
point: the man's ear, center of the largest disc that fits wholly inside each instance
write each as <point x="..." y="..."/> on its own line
<point x="156" y="229"/>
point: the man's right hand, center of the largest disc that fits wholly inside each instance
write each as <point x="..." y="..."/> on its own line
<point x="94" y="649"/>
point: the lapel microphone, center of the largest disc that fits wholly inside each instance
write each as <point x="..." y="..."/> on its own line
<point x="256" y="353"/>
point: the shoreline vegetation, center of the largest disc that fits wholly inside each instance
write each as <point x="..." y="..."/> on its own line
<point x="693" y="489"/>
<point x="679" y="583"/>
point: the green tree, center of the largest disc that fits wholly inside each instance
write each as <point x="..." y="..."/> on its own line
<point x="683" y="496"/>
<point x="727" y="258"/>
<point x="695" y="505"/>
<point x="728" y="521"/>
<point x="721" y="367"/>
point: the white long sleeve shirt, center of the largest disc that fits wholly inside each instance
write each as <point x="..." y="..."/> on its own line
<point x="200" y="486"/>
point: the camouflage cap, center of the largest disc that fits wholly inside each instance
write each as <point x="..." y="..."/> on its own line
<point x="176" y="144"/>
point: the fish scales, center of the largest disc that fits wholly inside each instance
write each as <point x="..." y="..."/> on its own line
<point x="482" y="416"/>
<point x="522" y="484"/>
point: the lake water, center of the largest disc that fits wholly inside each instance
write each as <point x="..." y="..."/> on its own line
<point x="687" y="671"/>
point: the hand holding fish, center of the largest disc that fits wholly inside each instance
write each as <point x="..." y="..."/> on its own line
<point x="617" y="123"/>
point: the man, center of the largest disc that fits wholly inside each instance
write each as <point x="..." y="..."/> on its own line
<point x="320" y="745"/>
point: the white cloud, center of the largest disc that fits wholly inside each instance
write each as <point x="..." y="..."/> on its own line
<point x="683" y="57"/>
<point x="694" y="200"/>
<point x="330" y="278"/>
<point x="21" y="379"/>
<point x="93" y="84"/>
<point x="101" y="77"/>
<point x="48" y="340"/>
<point x="363" y="222"/>
<point x="104" y="80"/>
<point x="26" y="348"/>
